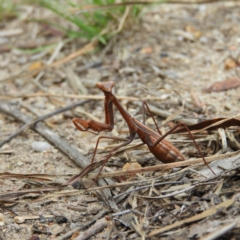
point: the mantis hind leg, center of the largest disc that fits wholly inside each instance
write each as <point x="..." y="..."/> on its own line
<point x="144" y="104"/>
<point x="191" y="136"/>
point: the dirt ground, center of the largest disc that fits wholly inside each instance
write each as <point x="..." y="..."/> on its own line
<point x="182" y="51"/>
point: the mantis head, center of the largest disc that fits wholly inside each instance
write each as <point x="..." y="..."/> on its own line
<point x="105" y="86"/>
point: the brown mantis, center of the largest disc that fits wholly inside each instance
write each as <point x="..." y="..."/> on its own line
<point x="158" y="146"/>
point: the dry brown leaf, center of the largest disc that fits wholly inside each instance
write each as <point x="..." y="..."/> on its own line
<point x="211" y="124"/>
<point x="35" y="66"/>
<point x="230" y="63"/>
<point x="134" y="165"/>
<point x="223" y="86"/>
<point x="147" y="50"/>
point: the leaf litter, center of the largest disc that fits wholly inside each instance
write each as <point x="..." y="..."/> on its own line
<point x="147" y="201"/>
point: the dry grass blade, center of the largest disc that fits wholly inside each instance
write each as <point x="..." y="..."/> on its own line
<point x="233" y="142"/>
<point x="22" y="219"/>
<point x="167" y="166"/>
<point x="174" y="115"/>
<point x="169" y="116"/>
<point x="15" y="194"/>
<point x="223" y="139"/>
<point x="164" y="113"/>
<point x="141" y="185"/>
<point x="75" y="81"/>
<point x="220" y="231"/>
<point x="197" y="217"/>
<point x="6" y="197"/>
<point x="75" y="96"/>
<point x="87" y="48"/>
<point x="178" y="192"/>
<point x="81" y="112"/>
<point x="37" y="177"/>
<point x="88" y="8"/>
<point x="58" y="193"/>
<point x="122" y="20"/>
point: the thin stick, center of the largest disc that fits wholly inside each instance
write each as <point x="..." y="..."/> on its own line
<point x="97" y="227"/>
<point x="52" y="137"/>
<point x="73" y="96"/>
<point x="39" y="119"/>
<point x="163" y="167"/>
<point x="146" y="186"/>
<point x="83" y="226"/>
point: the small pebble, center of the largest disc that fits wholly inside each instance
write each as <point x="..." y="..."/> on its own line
<point x="203" y="39"/>
<point x="77" y="185"/>
<point x="171" y="74"/>
<point x="22" y="59"/>
<point x="3" y="40"/>
<point x="19" y="163"/>
<point x="40" y="146"/>
<point x="164" y="54"/>
<point x="61" y="219"/>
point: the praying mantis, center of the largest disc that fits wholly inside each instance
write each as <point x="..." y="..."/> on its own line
<point x="163" y="150"/>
